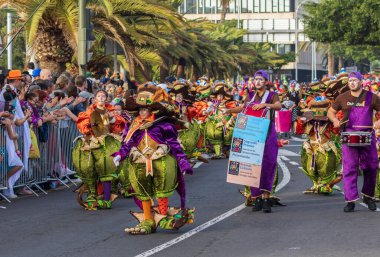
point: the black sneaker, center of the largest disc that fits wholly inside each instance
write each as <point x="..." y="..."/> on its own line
<point x="258" y="205"/>
<point x="266" y="206"/>
<point x="350" y="207"/>
<point x="370" y="203"/>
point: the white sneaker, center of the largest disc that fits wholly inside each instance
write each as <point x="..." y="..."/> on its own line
<point x="69" y="172"/>
<point x="77" y="180"/>
<point x="9" y="195"/>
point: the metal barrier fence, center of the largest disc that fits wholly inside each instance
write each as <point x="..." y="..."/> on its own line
<point x="55" y="162"/>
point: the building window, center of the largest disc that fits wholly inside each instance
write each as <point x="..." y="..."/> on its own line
<point x="250" y="5"/>
<point x="200" y="6"/>
<point x="281" y="5"/>
<point x="213" y="6"/>
<point x="285" y="48"/>
<point x="269" y="6"/>
<point x="191" y="6"/>
<point x="207" y="6"/>
<point x="275" y="5"/>
<point x="231" y="7"/>
<point x="292" y="5"/>
<point x="287" y="5"/>
<point x="181" y="8"/>
<point x="262" y="5"/>
<point x="219" y="6"/>
<point x="244" y="6"/>
<point x="256" y="6"/>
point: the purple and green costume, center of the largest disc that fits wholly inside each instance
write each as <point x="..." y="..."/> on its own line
<point x="168" y="170"/>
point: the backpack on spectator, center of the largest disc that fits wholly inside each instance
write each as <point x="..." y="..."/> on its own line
<point x="43" y="133"/>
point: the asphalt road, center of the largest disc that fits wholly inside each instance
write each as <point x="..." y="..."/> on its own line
<point x="310" y="225"/>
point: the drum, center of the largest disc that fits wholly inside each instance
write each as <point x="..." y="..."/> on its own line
<point x="356" y="138"/>
<point x="263" y="113"/>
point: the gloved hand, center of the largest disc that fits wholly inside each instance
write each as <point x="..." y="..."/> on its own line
<point x="185" y="167"/>
<point x="116" y="160"/>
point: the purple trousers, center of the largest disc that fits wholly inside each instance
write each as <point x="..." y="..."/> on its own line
<point x="268" y="168"/>
<point x="366" y="157"/>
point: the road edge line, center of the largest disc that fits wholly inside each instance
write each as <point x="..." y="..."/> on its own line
<point x="283" y="183"/>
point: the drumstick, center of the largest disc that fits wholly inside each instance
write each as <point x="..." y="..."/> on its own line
<point x="344" y="122"/>
<point x="358" y="126"/>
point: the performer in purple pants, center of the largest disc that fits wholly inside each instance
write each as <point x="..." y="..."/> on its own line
<point x="263" y="100"/>
<point x="358" y="118"/>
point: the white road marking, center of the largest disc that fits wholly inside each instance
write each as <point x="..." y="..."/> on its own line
<point x="298" y="139"/>
<point x="286" y="175"/>
<point x="284" y="158"/>
<point x="283" y="152"/>
<point x="363" y="204"/>
<point x="294" y="163"/>
<point x="3" y="207"/>
<point x="284" y="182"/>
<point x="197" y="165"/>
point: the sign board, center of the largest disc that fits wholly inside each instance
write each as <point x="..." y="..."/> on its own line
<point x="351" y="69"/>
<point x="247" y="150"/>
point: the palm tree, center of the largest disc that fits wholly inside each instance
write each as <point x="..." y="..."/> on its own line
<point x="52" y="31"/>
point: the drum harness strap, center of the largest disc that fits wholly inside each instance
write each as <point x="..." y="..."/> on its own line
<point x="345" y="118"/>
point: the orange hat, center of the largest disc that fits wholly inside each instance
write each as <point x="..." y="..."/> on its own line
<point x="15" y="74"/>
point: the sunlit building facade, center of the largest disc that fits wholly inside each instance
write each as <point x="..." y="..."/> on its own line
<point x="273" y="21"/>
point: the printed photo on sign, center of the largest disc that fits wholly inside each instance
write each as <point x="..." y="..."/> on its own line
<point x="233" y="168"/>
<point x="242" y="122"/>
<point x="237" y="145"/>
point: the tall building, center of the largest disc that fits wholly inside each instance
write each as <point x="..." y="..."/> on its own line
<point x="273" y="21"/>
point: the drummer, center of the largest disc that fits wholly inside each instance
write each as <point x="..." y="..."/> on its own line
<point x="269" y="163"/>
<point x="357" y="119"/>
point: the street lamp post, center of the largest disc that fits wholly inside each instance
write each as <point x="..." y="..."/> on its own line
<point x="296" y="37"/>
<point x="82" y="41"/>
<point x="9" y="39"/>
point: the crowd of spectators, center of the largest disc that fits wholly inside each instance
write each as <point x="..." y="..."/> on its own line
<point x="36" y="98"/>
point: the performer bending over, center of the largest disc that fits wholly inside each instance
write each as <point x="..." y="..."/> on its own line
<point x="357" y="106"/>
<point x="156" y="162"/>
<point x="262" y="100"/>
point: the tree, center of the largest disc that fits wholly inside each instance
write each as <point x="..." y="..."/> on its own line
<point x="224" y="4"/>
<point x="52" y="31"/>
<point x="18" y="45"/>
<point x="343" y="26"/>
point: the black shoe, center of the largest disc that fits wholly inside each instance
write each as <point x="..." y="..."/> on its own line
<point x="350" y="207"/>
<point x="266" y="206"/>
<point x="258" y="206"/>
<point x="370" y="203"/>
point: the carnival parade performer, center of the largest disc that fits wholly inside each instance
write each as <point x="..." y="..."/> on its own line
<point x="262" y="102"/>
<point x="101" y="127"/>
<point x="189" y="130"/>
<point x="156" y="162"/>
<point x="357" y="106"/>
<point x="320" y="154"/>
<point x="219" y="127"/>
